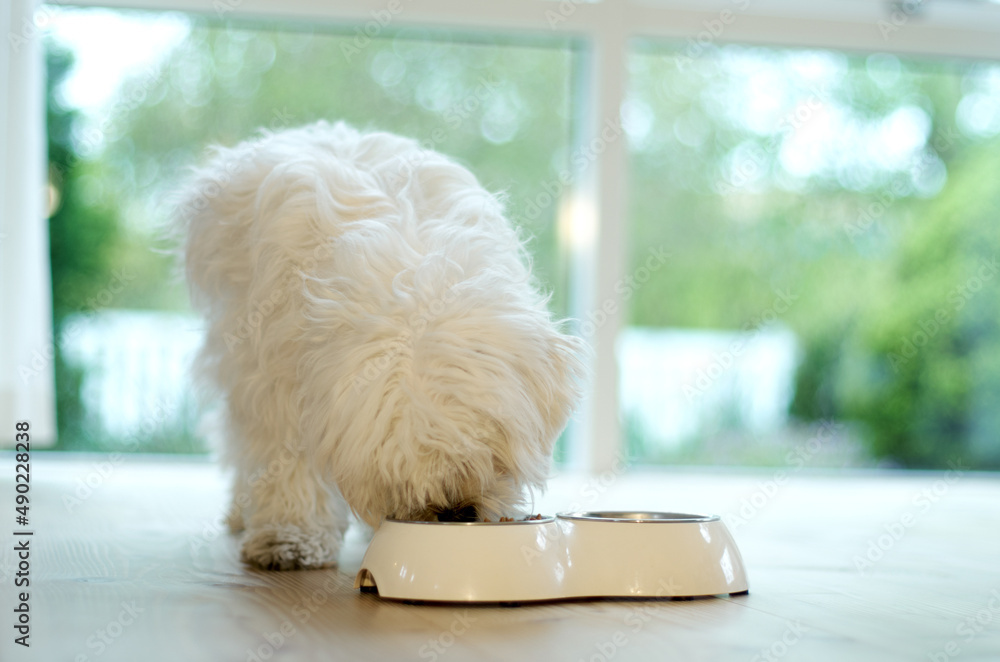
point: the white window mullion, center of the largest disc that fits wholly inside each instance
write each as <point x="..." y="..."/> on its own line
<point x="598" y="239"/>
<point x="27" y="389"/>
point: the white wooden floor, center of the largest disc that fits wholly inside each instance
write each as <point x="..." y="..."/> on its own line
<point x="140" y="570"/>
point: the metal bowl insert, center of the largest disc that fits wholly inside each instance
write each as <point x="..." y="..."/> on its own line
<point x="543" y="520"/>
<point x="637" y="516"/>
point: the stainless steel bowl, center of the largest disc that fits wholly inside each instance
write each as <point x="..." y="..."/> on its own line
<point x="544" y="520"/>
<point x="637" y="516"/>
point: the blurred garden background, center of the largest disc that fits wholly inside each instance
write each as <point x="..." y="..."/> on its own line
<point x="825" y="225"/>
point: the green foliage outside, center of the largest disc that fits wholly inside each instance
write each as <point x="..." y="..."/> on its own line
<point x="91" y="253"/>
<point x="860" y="284"/>
<point x="503" y="111"/>
<point x="921" y="366"/>
<point x="868" y="256"/>
<point x="83" y="236"/>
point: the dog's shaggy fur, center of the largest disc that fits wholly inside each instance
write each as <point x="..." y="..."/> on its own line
<point x="376" y="335"/>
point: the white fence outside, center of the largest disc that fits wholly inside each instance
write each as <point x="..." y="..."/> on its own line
<point x="677" y="384"/>
<point x="674" y="383"/>
<point x="136" y="369"/>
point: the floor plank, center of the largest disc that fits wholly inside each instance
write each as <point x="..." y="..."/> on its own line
<point x="137" y="567"/>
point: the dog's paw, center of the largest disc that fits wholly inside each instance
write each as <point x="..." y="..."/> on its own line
<point x="289" y="547"/>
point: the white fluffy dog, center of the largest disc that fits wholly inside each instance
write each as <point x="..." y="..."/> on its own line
<point x="377" y="337"/>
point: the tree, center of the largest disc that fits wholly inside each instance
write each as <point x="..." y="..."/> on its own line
<point x="83" y="235"/>
<point x="921" y="367"/>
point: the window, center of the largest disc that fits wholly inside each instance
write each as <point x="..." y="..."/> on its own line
<point x="722" y="195"/>
<point x="500" y="105"/>
<point x="813" y="251"/>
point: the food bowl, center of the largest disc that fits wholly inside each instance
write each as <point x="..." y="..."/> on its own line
<point x="603" y="554"/>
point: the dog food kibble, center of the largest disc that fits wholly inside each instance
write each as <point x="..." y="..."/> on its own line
<point x="529" y="518"/>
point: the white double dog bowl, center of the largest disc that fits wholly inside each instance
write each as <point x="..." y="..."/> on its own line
<point x="569" y="556"/>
